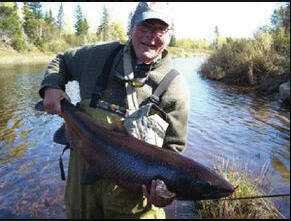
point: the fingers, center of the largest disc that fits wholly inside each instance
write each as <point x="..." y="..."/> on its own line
<point x="52" y="107"/>
<point x="154" y="198"/>
<point x="145" y="192"/>
<point x="52" y="100"/>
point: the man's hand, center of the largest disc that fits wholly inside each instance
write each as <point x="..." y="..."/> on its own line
<point x="154" y="197"/>
<point x="52" y="98"/>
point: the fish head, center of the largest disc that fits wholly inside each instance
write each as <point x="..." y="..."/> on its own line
<point x="201" y="189"/>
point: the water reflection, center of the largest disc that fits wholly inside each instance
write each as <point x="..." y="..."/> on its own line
<point x="224" y="121"/>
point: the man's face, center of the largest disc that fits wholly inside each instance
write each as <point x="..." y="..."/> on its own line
<point x="149" y="39"/>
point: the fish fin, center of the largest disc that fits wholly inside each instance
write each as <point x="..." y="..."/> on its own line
<point x="60" y="136"/>
<point x="89" y="177"/>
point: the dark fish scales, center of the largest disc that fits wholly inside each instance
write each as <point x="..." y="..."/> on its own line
<point x="131" y="162"/>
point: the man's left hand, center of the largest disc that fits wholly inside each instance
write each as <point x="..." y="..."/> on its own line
<point x="153" y="196"/>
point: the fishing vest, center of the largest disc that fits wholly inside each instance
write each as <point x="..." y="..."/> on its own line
<point x="147" y="122"/>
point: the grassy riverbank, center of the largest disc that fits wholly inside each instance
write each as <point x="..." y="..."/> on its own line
<point x="261" y="208"/>
<point x="261" y="63"/>
<point x="24" y="58"/>
<point x="9" y="57"/>
<point x="177" y="52"/>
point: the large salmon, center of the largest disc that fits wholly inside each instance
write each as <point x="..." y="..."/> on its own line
<point x="130" y="162"/>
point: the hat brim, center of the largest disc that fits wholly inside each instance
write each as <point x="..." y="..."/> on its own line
<point x="152" y="15"/>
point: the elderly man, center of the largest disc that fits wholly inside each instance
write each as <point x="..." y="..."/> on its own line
<point x="145" y="62"/>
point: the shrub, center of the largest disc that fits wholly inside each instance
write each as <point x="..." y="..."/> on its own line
<point x="249" y="62"/>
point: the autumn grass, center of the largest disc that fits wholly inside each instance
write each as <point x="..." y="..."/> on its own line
<point x="176" y="52"/>
<point x="250" y="62"/>
<point x="262" y="208"/>
<point x="11" y="59"/>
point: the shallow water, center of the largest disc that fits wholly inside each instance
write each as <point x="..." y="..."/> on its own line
<point x="224" y="122"/>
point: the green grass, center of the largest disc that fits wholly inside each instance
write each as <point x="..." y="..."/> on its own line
<point x="262" y="208"/>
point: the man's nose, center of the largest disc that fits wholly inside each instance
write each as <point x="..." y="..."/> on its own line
<point x="151" y="34"/>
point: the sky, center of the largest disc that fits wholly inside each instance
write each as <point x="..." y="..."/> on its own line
<point x="195" y="20"/>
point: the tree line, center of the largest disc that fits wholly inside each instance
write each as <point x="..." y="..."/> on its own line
<point x="45" y="32"/>
<point x="42" y="31"/>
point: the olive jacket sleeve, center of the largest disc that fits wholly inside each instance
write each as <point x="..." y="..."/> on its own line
<point x="81" y="64"/>
<point x="176" y="105"/>
<point x="57" y="73"/>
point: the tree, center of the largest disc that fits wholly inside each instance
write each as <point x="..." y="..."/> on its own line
<point x="117" y="31"/>
<point x="79" y="19"/>
<point x="10" y="27"/>
<point x="173" y="40"/>
<point x="60" y="19"/>
<point x="49" y="28"/>
<point x="29" y="22"/>
<point x="216" y="37"/>
<point x="49" y="19"/>
<point x="81" y="26"/>
<point x="36" y="9"/>
<point x="104" y="27"/>
<point x="84" y="26"/>
<point x="280" y="21"/>
<point x="281" y="17"/>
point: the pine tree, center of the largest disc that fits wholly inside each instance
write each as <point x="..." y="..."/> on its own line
<point x="36" y="9"/>
<point x="49" y="28"/>
<point x="10" y="28"/>
<point x="79" y="19"/>
<point x="29" y="23"/>
<point x="104" y="27"/>
<point x="81" y="26"/>
<point x="60" y="19"/>
<point x="216" y="39"/>
<point x="173" y="40"/>
<point x="49" y="19"/>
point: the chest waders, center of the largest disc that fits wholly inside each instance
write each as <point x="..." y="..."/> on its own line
<point x="90" y="196"/>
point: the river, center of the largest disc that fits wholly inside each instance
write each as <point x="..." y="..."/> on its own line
<point x="224" y="123"/>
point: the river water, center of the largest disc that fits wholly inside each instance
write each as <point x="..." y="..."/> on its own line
<point x="225" y="123"/>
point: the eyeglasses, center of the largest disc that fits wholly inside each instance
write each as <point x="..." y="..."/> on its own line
<point x="159" y="31"/>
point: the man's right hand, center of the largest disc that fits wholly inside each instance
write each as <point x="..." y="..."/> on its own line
<point x="52" y="98"/>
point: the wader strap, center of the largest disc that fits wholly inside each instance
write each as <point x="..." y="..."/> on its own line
<point x="129" y="75"/>
<point x="163" y="85"/>
<point x="101" y="83"/>
<point x="63" y="176"/>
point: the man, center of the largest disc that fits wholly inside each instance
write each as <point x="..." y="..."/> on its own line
<point x="150" y="34"/>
